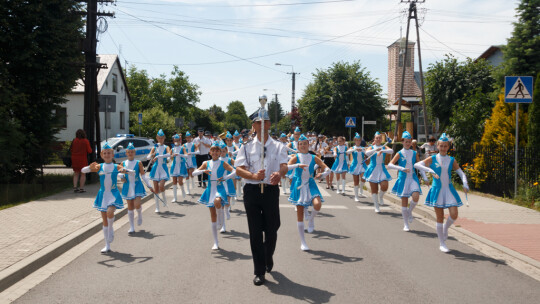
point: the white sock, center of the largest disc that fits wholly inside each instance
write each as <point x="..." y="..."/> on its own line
<point x="381" y="197"/>
<point x="106" y="237"/>
<point x="192" y="183"/>
<point x="188" y="182"/>
<point x="139" y="216"/>
<point x="405" y="213"/>
<point x="343" y="185"/>
<point x="440" y="235"/>
<point x="110" y="222"/>
<point x="228" y="212"/>
<point x="183" y="191"/>
<point x="355" y="193"/>
<point x="131" y="216"/>
<point x="214" y="234"/>
<point x="411" y="207"/>
<point x="311" y="223"/>
<point x="239" y="183"/>
<point x="302" y="239"/>
<point x="376" y="201"/>
<point x="222" y="218"/>
<point x="284" y="185"/>
<point x="157" y="201"/>
<point x="361" y="188"/>
<point x="175" y="190"/>
<point x="337" y="186"/>
<point x="447" y="225"/>
<point x="164" y="198"/>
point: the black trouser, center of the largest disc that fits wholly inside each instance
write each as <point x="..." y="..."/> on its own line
<point x="200" y="160"/>
<point x="262" y="210"/>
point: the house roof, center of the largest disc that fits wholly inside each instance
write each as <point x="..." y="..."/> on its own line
<point x="400" y="40"/>
<point x="490" y="51"/>
<point x="103" y="74"/>
<point x="408" y="100"/>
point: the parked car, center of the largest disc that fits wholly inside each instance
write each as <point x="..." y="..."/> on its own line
<point x="119" y="143"/>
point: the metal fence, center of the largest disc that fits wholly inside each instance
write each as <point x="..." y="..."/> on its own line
<point x="499" y="167"/>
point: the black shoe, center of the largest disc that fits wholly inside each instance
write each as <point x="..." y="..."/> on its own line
<point x="259" y="280"/>
<point x="199" y="185"/>
<point x="204" y="185"/>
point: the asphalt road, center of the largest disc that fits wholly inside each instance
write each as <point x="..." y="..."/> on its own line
<point x="356" y="256"/>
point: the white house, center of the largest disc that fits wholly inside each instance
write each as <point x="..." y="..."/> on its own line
<point x="112" y="86"/>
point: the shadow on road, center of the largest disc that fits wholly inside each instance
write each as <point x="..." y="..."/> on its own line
<point x="229" y="255"/>
<point x="126" y="258"/>
<point x="235" y="235"/>
<point x="473" y="257"/>
<point x="286" y="287"/>
<point x="323" y="214"/>
<point x="323" y="235"/>
<point x="238" y="212"/>
<point x="145" y="234"/>
<point x="331" y="257"/>
<point x="426" y="234"/>
<point x="171" y="214"/>
<point x="186" y="203"/>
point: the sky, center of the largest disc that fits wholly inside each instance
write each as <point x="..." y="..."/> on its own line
<point x="230" y="48"/>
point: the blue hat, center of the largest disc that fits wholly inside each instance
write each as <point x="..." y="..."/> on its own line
<point x="176" y="136"/>
<point x="188" y="134"/>
<point x="160" y="133"/>
<point x="283" y="135"/>
<point x="216" y="144"/>
<point x="297" y="129"/>
<point x="223" y="145"/>
<point x="106" y="146"/>
<point x="377" y="133"/>
<point x="228" y="135"/>
<point x="292" y="138"/>
<point x="130" y="146"/>
<point x="302" y="137"/>
<point x="357" y="136"/>
<point x="444" y="137"/>
<point x="236" y="133"/>
<point x="241" y="141"/>
<point x="406" y="135"/>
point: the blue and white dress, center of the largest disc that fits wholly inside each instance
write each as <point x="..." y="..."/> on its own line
<point x="407" y="183"/>
<point x="303" y="179"/>
<point x="159" y="170"/>
<point x="214" y="188"/>
<point x="191" y="160"/>
<point x="178" y="167"/>
<point x="133" y="186"/>
<point x="108" y="194"/>
<point x="442" y="193"/>
<point x="294" y="146"/>
<point x="340" y="164"/>
<point x="376" y="171"/>
<point x="228" y="184"/>
<point x="358" y="166"/>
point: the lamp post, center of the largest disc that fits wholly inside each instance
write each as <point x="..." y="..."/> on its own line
<point x="275" y="107"/>
<point x="293" y="73"/>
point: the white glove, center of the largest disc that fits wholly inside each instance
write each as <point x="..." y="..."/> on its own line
<point x="420" y="166"/>
<point x="463" y="178"/>
<point x="395" y="167"/>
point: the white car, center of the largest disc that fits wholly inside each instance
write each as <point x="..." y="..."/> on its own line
<point x="119" y="143"/>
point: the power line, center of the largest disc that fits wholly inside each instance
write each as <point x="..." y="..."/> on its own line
<point x="443" y="43"/>
<point x="238" y="5"/>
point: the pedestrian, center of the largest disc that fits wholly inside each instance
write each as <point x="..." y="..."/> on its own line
<point x="133" y="188"/>
<point x="442" y="194"/>
<point x="430" y="148"/>
<point x="229" y="184"/>
<point x="329" y="159"/>
<point x="108" y="198"/>
<point x="159" y="173"/>
<point x="214" y="196"/>
<point x="178" y="167"/>
<point x="80" y="148"/>
<point x="358" y="166"/>
<point x="261" y="193"/>
<point x="304" y="190"/>
<point x="340" y="166"/>
<point x="376" y="173"/>
<point x="202" y="144"/>
<point x="407" y="184"/>
<point x="190" y="150"/>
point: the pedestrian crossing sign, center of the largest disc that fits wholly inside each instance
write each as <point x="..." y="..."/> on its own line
<point x="350" y="122"/>
<point x="518" y="89"/>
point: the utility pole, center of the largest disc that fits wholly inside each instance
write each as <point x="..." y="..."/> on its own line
<point x="413" y="14"/>
<point x="90" y="71"/>
<point x="293" y="105"/>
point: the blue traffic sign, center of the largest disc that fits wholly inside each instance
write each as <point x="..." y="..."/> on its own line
<point x="350" y="122"/>
<point x="518" y="89"/>
<point x="140" y="118"/>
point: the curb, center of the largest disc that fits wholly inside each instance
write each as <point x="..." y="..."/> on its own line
<point x="28" y="265"/>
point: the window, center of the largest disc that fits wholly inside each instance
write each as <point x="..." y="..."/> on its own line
<point x="115" y="83"/>
<point x="408" y="59"/>
<point x="61" y="117"/>
<point x="139" y="143"/>
<point x="122" y="122"/>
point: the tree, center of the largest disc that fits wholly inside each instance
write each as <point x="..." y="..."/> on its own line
<point x="449" y="81"/>
<point x="344" y="89"/>
<point x="138" y="83"/>
<point x="217" y="113"/>
<point x="284" y="125"/>
<point x="153" y="120"/>
<point x="237" y="118"/>
<point x="181" y="94"/>
<point x="275" y="111"/>
<point x="533" y="128"/>
<point x="522" y="53"/>
<point x="41" y="61"/>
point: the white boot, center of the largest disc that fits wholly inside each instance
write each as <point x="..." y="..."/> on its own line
<point x="405" y="213"/>
<point x="110" y="222"/>
<point x="303" y="245"/>
<point x="447" y="225"/>
<point x="214" y="234"/>
<point x="311" y="222"/>
<point x="131" y="216"/>
<point x="343" y="186"/>
<point x="440" y="235"/>
<point x="183" y="191"/>
<point x="139" y="216"/>
<point x="107" y="247"/>
<point x="381" y="196"/>
<point x="222" y="219"/>
<point x="157" y="202"/>
<point x="284" y="185"/>
<point x="188" y="184"/>
<point x="411" y="208"/>
<point x="164" y="199"/>
<point x="362" y="189"/>
<point x="337" y="186"/>
<point x="218" y="218"/>
<point x="356" y="199"/>
<point x="376" y="202"/>
<point x="192" y="183"/>
<point x="239" y="183"/>
<point x="175" y="190"/>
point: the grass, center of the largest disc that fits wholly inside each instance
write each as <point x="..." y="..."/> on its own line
<point x="15" y="194"/>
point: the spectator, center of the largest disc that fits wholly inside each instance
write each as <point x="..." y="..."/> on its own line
<point x="430" y="147"/>
<point x="80" y="148"/>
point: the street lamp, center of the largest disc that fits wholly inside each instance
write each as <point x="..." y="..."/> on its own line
<point x="275" y="107"/>
<point x="293" y="81"/>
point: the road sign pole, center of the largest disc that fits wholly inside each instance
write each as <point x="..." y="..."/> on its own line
<point x="517" y="142"/>
<point x="362" y="127"/>
<point x="350" y="134"/>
